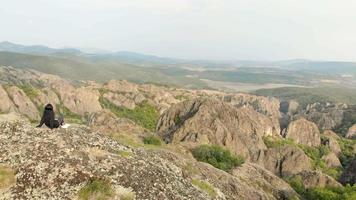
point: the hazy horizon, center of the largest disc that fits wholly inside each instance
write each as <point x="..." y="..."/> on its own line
<point x="196" y="29"/>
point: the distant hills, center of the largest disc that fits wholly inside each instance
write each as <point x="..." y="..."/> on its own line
<point x="76" y="64"/>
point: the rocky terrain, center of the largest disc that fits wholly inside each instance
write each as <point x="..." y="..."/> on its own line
<point x="279" y="141"/>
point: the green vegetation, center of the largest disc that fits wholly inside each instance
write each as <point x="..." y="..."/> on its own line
<point x="96" y="189"/>
<point x="7" y="177"/>
<point x="69" y="116"/>
<point x="348" y="149"/>
<point x="125" y="154"/>
<point x="143" y="114"/>
<point x="204" y="186"/>
<point x="314" y="153"/>
<point x="328" y="193"/>
<point x="127" y="139"/>
<point x="272" y="142"/>
<point x="306" y="96"/>
<point x="152" y="140"/>
<point x="217" y="156"/>
<point x="30" y="91"/>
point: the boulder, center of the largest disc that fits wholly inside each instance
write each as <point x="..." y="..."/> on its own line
<point x="106" y="122"/>
<point x="312" y="179"/>
<point x="82" y="100"/>
<point x="303" y="132"/>
<point x="120" y="100"/>
<point x="349" y="174"/>
<point x="209" y="121"/>
<point x="6" y="104"/>
<point x="286" y="161"/>
<point x="121" y="86"/>
<point x="23" y="104"/>
<point x="351" y="134"/>
<point x="330" y="140"/>
<point x="46" y="96"/>
<point x="331" y="160"/>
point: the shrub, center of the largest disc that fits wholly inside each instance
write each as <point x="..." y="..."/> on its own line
<point x="144" y="114"/>
<point x="217" y="156"/>
<point x="347" y="148"/>
<point x="30" y="91"/>
<point x="297" y="184"/>
<point x="96" y="189"/>
<point x="152" y="140"/>
<point x="204" y="186"/>
<point x="271" y="142"/>
<point x="331" y="193"/>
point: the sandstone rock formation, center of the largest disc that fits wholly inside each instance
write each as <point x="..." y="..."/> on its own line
<point x="286" y="161"/>
<point x="106" y="122"/>
<point x="304" y="132"/>
<point x="23" y="104"/>
<point x="120" y="100"/>
<point x="46" y="96"/>
<point x="207" y="121"/>
<point x="313" y="179"/>
<point x="331" y="160"/>
<point x="331" y="142"/>
<point x="6" y="104"/>
<point x="351" y="134"/>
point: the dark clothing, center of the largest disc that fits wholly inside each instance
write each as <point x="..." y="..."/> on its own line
<point x="48" y="118"/>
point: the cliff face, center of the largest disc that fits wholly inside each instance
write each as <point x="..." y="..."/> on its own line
<point x="303" y="132"/>
<point x="206" y="121"/>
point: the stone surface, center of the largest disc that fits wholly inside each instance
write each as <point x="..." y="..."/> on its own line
<point x="303" y="132"/>
<point x="286" y="161"/>
<point x="6" y="104"/>
<point x="56" y="164"/>
<point x="351" y="134"/>
<point x="331" y="142"/>
<point x="313" y="179"/>
<point x="331" y="160"/>
<point x="23" y="104"/>
<point x="208" y="121"/>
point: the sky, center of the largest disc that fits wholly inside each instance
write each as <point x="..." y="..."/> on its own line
<point x="193" y="29"/>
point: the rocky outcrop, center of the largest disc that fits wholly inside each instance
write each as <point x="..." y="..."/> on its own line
<point x="106" y="122"/>
<point x="327" y="116"/>
<point x="330" y="140"/>
<point x="331" y="160"/>
<point x="6" y="104"/>
<point x="207" y="121"/>
<point x="23" y="104"/>
<point x="121" y="86"/>
<point x="46" y="96"/>
<point x="46" y="160"/>
<point x="351" y="134"/>
<point x="312" y="179"/>
<point x="303" y="132"/>
<point x="120" y="100"/>
<point x="286" y="161"/>
<point x="82" y="100"/>
<point x="349" y="175"/>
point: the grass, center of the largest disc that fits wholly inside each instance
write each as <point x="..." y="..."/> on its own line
<point x="69" y="116"/>
<point x="96" y="189"/>
<point x="204" y="186"/>
<point x="152" y="140"/>
<point x="7" y="177"/>
<point x="144" y="114"/>
<point x="127" y="139"/>
<point x="125" y="154"/>
<point x="30" y="91"/>
<point x="217" y="156"/>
